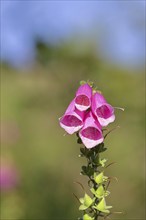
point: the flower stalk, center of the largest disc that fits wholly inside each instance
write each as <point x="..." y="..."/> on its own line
<point x="87" y="116"/>
<point x="98" y="183"/>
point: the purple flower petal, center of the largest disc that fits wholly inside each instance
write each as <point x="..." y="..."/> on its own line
<point x="103" y="111"/>
<point x="83" y="97"/>
<point x="91" y="134"/>
<point x="72" y="120"/>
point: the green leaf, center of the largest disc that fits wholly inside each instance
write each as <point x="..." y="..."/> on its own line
<point x="89" y="153"/>
<point x="96" y="160"/>
<point x="87" y="217"/>
<point x="84" y="170"/>
<point x="100" y="148"/>
<point x="90" y="171"/>
<point x="87" y="170"/>
<point x="84" y="151"/>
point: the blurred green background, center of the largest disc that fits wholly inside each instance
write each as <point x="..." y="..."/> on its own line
<point x="47" y="162"/>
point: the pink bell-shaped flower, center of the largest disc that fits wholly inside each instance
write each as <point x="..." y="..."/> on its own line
<point x="91" y="134"/>
<point x="83" y="97"/>
<point x="102" y="110"/>
<point x="72" y="120"/>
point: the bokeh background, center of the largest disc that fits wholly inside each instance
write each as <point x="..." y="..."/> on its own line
<point x="47" y="47"/>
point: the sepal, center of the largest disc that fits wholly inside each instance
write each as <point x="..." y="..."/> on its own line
<point x="89" y="171"/>
<point x="102" y="207"/>
<point x="100" y="192"/>
<point x="100" y="178"/>
<point x="86" y="202"/>
<point x="87" y="217"/>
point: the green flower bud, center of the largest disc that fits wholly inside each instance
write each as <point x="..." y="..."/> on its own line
<point x="102" y="162"/>
<point x="86" y="202"/>
<point x="100" y="192"/>
<point x="102" y="207"/>
<point x="87" y="217"/>
<point x="100" y="178"/>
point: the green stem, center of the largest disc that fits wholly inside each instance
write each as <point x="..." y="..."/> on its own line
<point x="92" y="156"/>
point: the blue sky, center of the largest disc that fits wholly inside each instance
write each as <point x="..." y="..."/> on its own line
<point x="116" y="27"/>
